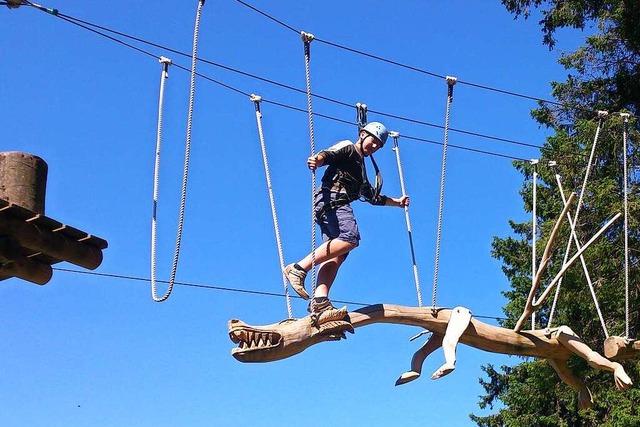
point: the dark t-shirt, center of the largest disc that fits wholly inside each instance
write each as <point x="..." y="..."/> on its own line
<point x="346" y="173"/>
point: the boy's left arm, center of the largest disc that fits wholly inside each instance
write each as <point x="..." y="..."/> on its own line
<point x="400" y="202"/>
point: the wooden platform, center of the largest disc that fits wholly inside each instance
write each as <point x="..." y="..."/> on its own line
<point x="30" y="243"/>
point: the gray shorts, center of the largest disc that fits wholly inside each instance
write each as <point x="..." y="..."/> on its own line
<point x="337" y="223"/>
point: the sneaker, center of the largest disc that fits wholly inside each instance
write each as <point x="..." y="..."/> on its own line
<point x="296" y="275"/>
<point x="319" y="304"/>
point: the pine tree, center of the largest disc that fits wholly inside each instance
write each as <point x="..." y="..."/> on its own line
<point x="605" y="75"/>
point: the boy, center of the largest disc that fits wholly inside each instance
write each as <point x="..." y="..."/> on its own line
<point x="344" y="181"/>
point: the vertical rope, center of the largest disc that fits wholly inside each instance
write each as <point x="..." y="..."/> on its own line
<point x="156" y="184"/>
<point x="307" y="39"/>
<point x="625" y="117"/>
<point x="256" y="100"/>
<point x="451" y="81"/>
<point x="534" y="232"/>
<point x="416" y="278"/>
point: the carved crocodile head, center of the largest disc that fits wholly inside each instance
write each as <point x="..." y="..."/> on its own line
<point x="281" y="340"/>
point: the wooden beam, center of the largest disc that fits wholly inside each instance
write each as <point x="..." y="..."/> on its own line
<point x="13" y="263"/>
<point x="27" y="269"/>
<point x="55" y="245"/>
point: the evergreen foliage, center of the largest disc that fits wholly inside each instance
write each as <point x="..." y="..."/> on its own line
<point x="604" y="75"/>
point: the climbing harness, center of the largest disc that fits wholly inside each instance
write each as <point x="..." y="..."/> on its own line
<point x="256" y="100"/>
<point x="187" y="154"/>
<point x="307" y="38"/>
<point x="396" y="148"/>
<point x="451" y="81"/>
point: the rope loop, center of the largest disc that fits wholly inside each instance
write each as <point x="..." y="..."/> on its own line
<point x="185" y="174"/>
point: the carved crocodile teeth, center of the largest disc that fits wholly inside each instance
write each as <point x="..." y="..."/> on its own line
<point x="260" y="341"/>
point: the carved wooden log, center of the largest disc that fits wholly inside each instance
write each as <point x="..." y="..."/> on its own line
<point x="478" y="334"/>
<point x="23" y="180"/>
<point x="619" y="348"/>
<point x="284" y="339"/>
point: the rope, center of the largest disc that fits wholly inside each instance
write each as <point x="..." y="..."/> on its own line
<point x="572" y="224"/>
<point x="307" y="39"/>
<point x="187" y="156"/>
<point x="156" y="184"/>
<point x="451" y="81"/>
<point x="416" y="278"/>
<point x="534" y="233"/>
<point x="256" y="100"/>
<point x="601" y="115"/>
<point x="625" y="117"/>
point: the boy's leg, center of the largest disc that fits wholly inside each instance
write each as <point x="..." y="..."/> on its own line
<point x="327" y="274"/>
<point x="329" y="250"/>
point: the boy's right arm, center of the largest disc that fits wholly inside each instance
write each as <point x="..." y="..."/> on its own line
<point x="315" y="162"/>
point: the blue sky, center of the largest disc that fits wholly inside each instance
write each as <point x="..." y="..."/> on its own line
<point x="94" y="350"/>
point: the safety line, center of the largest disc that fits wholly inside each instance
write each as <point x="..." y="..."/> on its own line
<point x="208" y="78"/>
<point x="85" y="24"/>
<point x="77" y="21"/>
<point x="400" y="64"/>
<point x="220" y="288"/>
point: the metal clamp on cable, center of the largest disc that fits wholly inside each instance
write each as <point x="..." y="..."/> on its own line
<point x="256" y="99"/>
<point x="165" y="62"/>
<point x="395" y="135"/>
<point x="306" y="37"/>
<point x="361" y="111"/>
<point x="451" y="81"/>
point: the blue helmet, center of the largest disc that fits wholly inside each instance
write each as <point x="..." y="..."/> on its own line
<point x="378" y="130"/>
